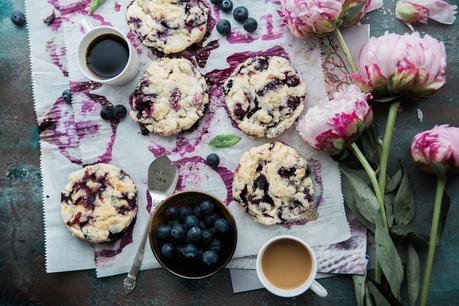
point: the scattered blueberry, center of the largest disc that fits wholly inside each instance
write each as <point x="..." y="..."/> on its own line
<point x="168" y="250"/>
<point x="215" y="246"/>
<point x="223" y="27"/>
<point x="226" y="5"/>
<point x="206" y="237"/>
<point x="216" y="2"/>
<point x="163" y="232"/>
<point x="191" y="221"/>
<point x="240" y="13"/>
<point x="190" y="251"/>
<point x="213" y="160"/>
<point x="119" y="112"/>
<point x="197" y="211"/>
<point x="207" y="207"/>
<point x="210" y="219"/>
<point x="202" y="225"/>
<point x="209" y="258"/>
<point x="179" y="249"/>
<point x="250" y="24"/>
<point x="178" y="232"/>
<point x="18" y="18"/>
<point x="172" y="213"/>
<point x="106" y="112"/>
<point x="173" y="222"/>
<point x="185" y="211"/>
<point x="221" y="225"/>
<point x="67" y="96"/>
<point x="194" y="234"/>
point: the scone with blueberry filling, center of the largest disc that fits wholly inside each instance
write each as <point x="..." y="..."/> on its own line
<point x="264" y="96"/>
<point x="170" y="26"/>
<point x="170" y="98"/>
<point x="99" y="203"/>
<point x="274" y="185"/>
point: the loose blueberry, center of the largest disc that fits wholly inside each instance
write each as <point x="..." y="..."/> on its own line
<point x="213" y="160"/>
<point x="216" y="2"/>
<point x="163" y="232"/>
<point x="168" y="250"/>
<point x="221" y="225"/>
<point x="206" y="237"/>
<point x="209" y="258"/>
<point x="172" y="213"/>
<point x="210" y="219"/>
<point x="119" y="112"/>
<point x="197" y="211"/>
<point x="190" y="251"/>
<point x="67" y="96"/>
<point x="215" y="246"/>
<point x="202" y="225"/>
<point x="179" y="250"/>
<point x="194" y="234"/>
<point x="18" y="18"/>
<point x="226" y="5"/>
<point x="106" y="112"/>
<point x="173" y="222"/>
<point x="223" y="27"/>
<point x="185" y="211"/>
<point x="250" y="24"/>
<point x="240" y="13"/>
<point x="207" y="207"/>
<point x="191" y="221"/>
<point x="178" y="232"/>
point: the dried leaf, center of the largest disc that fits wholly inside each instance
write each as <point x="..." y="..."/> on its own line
<point x="412" y="275"/>
<point x="378" y="297"/>
<point x="404" y="201"/>
<point x="359" y="288"/>
<point x="388" y="258"/>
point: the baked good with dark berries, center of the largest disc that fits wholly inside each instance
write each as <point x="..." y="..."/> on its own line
<point x="274" y="185"/>
<point x="170" y="98"/>
<point x="264" y="96"/>
<point x="170" y="26"/>
<point x="99" y="203"/>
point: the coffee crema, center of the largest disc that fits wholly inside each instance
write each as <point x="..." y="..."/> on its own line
<point x="107" y="55"/>
<point x="286" y="264"/>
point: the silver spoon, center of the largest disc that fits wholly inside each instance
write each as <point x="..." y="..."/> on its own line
<point x="162" y="180"/>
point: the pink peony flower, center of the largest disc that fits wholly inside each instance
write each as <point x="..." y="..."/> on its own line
<point x="405" y="65"/>
<point x="437" y="150"/>
<point x="332" y="126"/>
<point x="420" y="10"/>
<point x="306" y="18"/>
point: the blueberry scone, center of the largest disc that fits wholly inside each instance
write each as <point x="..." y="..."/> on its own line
<point x="99" y="203"/>
<point x="171" y="97"/>
<point x="273" y="184"/>
<point x="170" y="26"/>
<point x="264" y="96"/>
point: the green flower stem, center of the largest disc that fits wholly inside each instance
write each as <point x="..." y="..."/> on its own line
<point x="393" y="110"/>
<point x="371" y="174"/>
<point x="441" y="181"/>
<point x="343" y="45"/>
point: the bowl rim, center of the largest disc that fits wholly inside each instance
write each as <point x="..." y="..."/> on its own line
<point x="181" y="193"/>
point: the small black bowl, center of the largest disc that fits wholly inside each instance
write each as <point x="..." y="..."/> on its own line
<point x="195" y="269"/>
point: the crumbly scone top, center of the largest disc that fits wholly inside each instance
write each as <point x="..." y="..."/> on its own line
<point x="264" y="95"/>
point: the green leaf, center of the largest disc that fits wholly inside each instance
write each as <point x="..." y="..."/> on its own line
<point x="368" y="300"/>
<point x="385" y="100"/>
<point x="359" y="288"/>
<point x="378" y="297"/>
<point x="443" y="214"/>
<point x="368" y="144"/>
<point x="388" y="204"/>
<point x="388" y="258"/>
<point x="408" y="233"/>
<point x="94" y="5"/>
<point x="394" y="181"/>
<point x="224" y="141"/>
<point x="404" y="201"/>
<point x="353" y="12"/>
<point x="360" y="195"/>
<point x="412" y="275"/>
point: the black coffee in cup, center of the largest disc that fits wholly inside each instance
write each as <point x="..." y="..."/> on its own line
<point x="107" y="55"/>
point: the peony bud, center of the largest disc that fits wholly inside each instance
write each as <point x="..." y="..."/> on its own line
<point x="307" y="18"/>
<point x="405" y="65"/>
<point x="437" y="150"/>
<point x="333" y="126"/>
<point x="421" y="10"/>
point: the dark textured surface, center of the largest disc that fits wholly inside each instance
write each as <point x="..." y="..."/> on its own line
<point x="22" y="266"/>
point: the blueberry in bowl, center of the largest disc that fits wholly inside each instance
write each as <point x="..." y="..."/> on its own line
<point x="193" y="235"/>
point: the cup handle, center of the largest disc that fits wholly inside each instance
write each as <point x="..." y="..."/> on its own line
<point x="318" y="289"/>
<point x="87" y="26"/>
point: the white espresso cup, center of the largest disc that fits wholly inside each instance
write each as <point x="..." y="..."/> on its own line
<point x="309" y="283"/>
<point x="92" y="33"/>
